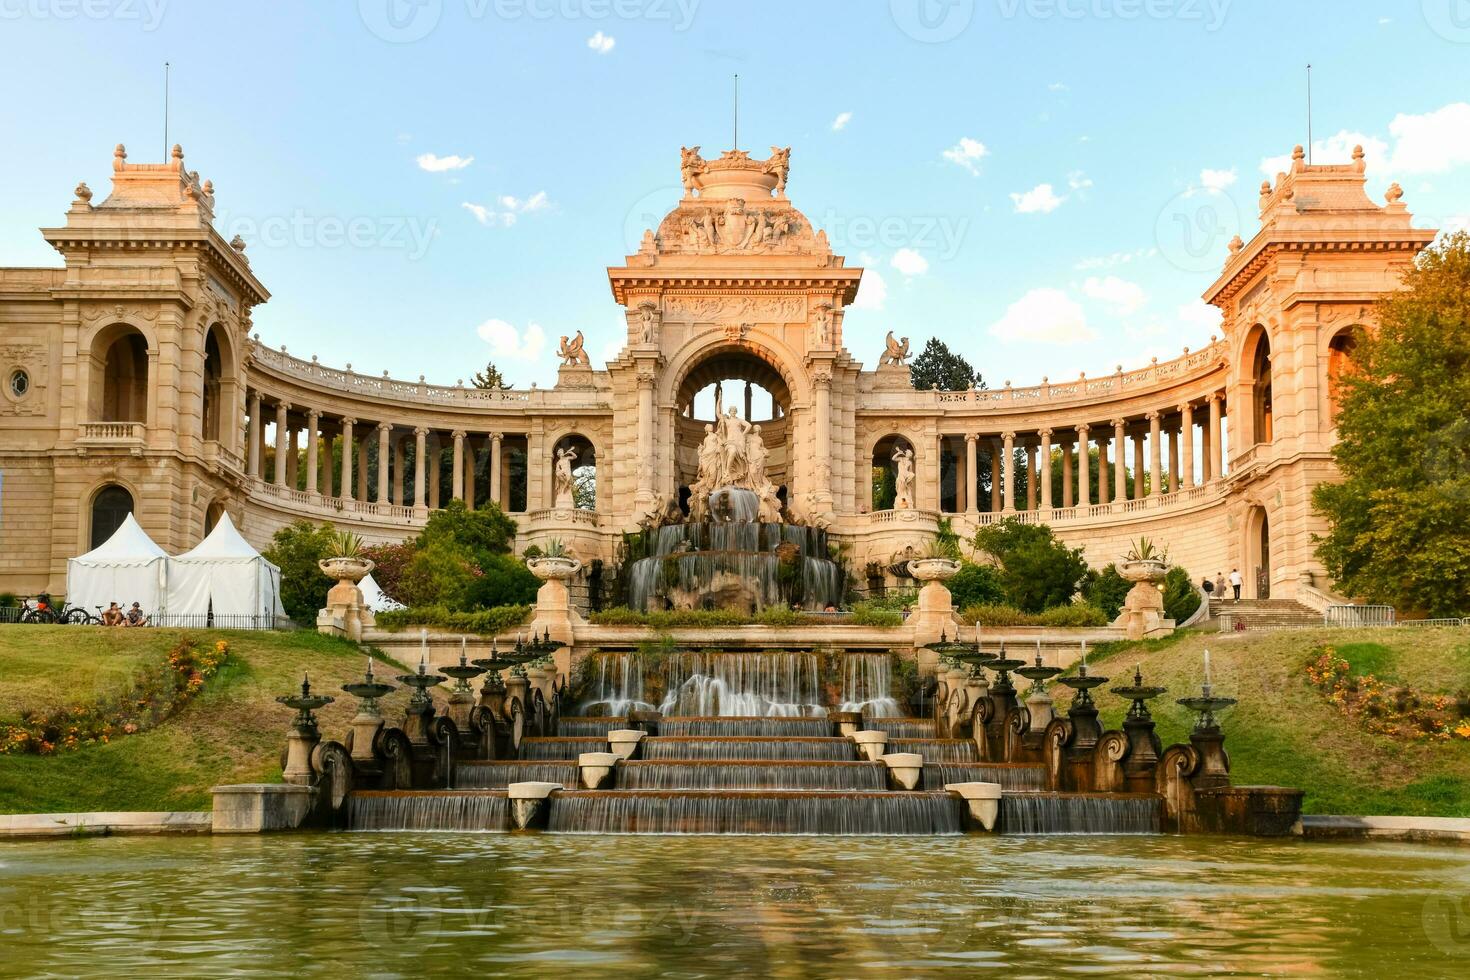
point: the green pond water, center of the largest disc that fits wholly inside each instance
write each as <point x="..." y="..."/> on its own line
<point x="404" y="905"/>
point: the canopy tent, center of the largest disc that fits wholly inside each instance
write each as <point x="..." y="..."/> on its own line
<point x="375" y="598"/>
<point x="126" y="568"/>
<point x="225" y="576"/>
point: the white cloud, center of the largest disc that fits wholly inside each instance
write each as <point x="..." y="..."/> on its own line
<point x="482" y="214"/>
<point x="1198" y="317"/>
<point x="909" y="262"/>
<point x="1215" y="181"/>
<point x="1337" y="148"/>
<point x="1123" y="298"/>
<point x="1431" y="143"/>
<point x="1039" y="199"/>
<point x="1046" y="316"/>
<point x="601" y="43"/>
<point x="1078" y="181"/>
<point x="840" y="123"/>
<point x="1115" y="259"/>
<point x="873" y="290"/>
<point x="511" y="208"/>
<point x="435" y="164"/>
<point x="967" y="153"/>
<point x="507" y="343"/>
<point x="1057" y="87"/>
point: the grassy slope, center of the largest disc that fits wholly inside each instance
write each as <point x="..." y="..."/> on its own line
<point x="1283" y="731"/>
<point x="232" y="732"/>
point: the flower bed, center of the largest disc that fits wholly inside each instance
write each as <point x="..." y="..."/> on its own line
<point x="154" y="695"/>
<point x="1395" y="711"/>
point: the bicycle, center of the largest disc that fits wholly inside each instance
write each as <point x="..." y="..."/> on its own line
<point x="45" y="613"/>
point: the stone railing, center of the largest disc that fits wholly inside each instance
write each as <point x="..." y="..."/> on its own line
<point x="216" y="452"/>
<point x="1183" y="499"/>
<point x="111" y="433"/>
<point x="906" y="519"/>
<point x="367" y="386"/>
<point x="1121" y="384"/>
<point x="560" y="516"/>
<point x="331" y="508"/>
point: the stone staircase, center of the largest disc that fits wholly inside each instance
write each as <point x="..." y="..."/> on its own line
<point x="1264" y="614"/>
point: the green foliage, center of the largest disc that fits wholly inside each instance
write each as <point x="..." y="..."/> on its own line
<point x="1144" y="550"/>
<point x="496" y="619"/>
<point x="940" y="368"/>
<point x="1106" y="590"/>
<point x="9" y="600"/>
<point x="1399" y="525"/>
<point x="461" y="561"/>
<point x="484" y="531"/>
<point x="389" y="561"/>
<point x="975" y="585"/>
<point x="894" y="599"/>
<point x="1181" y="598"/>
<point x="874" y="614"/>
<point x="346" y="544"/>
<point x="441" y="574"/>
<point x="946" y="542"/>
<point x="1037" y="570"/>
<point x="885" y="488"/>
<point x="504" y="580"/>
<point x="488" y="378"/>
<point x="668" y="619"/>
<point x="999" y="614"/>
<point x="296" y="549"/>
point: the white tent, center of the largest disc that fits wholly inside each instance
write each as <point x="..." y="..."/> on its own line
<point x="375" y="598"/>
<point x="225" y="576"/>
<point x="126" y="568"/>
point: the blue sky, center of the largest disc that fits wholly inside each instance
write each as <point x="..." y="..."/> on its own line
<point x="1046" y="185"/>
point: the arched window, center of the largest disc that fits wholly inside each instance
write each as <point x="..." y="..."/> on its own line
<point x="213" y="374"/>
<point x="885" y="471"/>
<point x="1340" y="355"/>
<point x="578" y="471"/>
<point x="122" y="395"/>
<point x="110" y="508"/>
<point x="1261" y="389"/>
<point x="212" y="514"/>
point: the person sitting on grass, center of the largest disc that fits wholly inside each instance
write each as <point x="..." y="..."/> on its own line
<point x="136" y="617"/>
<point x="112" y="615"/>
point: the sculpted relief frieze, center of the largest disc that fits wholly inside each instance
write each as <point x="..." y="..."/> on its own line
<point x="751" y="309"/>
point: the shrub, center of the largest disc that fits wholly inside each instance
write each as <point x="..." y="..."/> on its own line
<point x="1077" y="614"/>
<point x="504" y="581"/>
<point x="438" y="575"/>
<point x="390" y="560"/>
<point x="997" y="614"/>
<point x="896" y="600"/>
<point x="498" y="619"/>
<point x="1037" y="570"/>
<point x="1106" y="590"/>
<point x="296" y="549"/>
<point x="874" y="614"/>
<point x="1181" y="598"/>
<point x="975" y="585"/>
<point x="8" y="600"/>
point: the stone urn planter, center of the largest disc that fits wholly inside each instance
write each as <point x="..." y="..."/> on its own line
<point x="933" y="569"/>
<point x="1143" y="608"/>
<point x="343" y="569"/>
<point x="346" y="614"/>
<point x="554" y="568"/>
<point x="1144" y="570"/>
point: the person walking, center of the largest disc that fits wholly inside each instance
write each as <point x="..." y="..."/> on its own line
<point x="1235" y="582"/>
<point x="1220" y="585"/>
<point x="1207" y="587"/>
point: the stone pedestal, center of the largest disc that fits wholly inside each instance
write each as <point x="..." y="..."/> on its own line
<point x="346" y="614"/>
<point x="259" y="807"/>
<point x="365" y="728"/>
<point x="1143" y="608"/>
<point x="299" y="744"/>
<point x="935" y="612"/>
<point x="554" y="612"/>
<point x="1039" y="706"/>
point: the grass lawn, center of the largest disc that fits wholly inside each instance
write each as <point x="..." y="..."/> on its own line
<point x="232" y="731"/>
<point x="1285" y="732"/>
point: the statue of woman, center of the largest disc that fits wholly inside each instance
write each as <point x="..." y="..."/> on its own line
<point x="755" y="459"/>
<point x="563" y="477"/>
<point x="710" y="455"/>
<point x="903" y="480"/>
<point x="732" y="440"/>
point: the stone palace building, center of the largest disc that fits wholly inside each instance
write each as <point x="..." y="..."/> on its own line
<point x="134" y="381"/>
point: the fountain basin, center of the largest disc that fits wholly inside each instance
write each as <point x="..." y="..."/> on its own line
<point x="870" y="745"/>
<point x="905" y="770"/>
<point x="529" y="803"/>
<point x="624" y="742"/>
<point x="981" y="799"/>
<point x="596" y="769"/>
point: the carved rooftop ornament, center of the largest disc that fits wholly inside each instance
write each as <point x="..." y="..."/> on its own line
<point x="734" y="205"/>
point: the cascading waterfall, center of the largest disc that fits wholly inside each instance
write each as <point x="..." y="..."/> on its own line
<point x="428" y="810"/>
<point x="746" y="812"/>
<point x="903" y="727"/>
<point x="749" y="685"/>
<point x="867" y="685"/>
<point x="1013" y="777"/>
<point x="752" y="775"/>
<point x="584" y="727"/>
<point x="835" y="749"/>
<point x="561" y="748"/>
<point x="499" y="775"/>
<point x="1078" y="813"/>
<point x="619" y="686"/>
<point x="817" y="726"/>
<point x="937" y="751"/>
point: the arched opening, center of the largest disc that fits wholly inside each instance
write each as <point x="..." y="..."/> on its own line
<point x="886" y="473"/>
<point x="1257" y="572"/>
<point x="726" y="381"/>
<point x="212" y="514"/>
<point x="1261" y="409"/>
<point x="1341" y="353"/>
<point x="574" y="473"/>
<point x="122" y="395"/>
<point x="214" y="374"/>
<point x="110" y="507"/>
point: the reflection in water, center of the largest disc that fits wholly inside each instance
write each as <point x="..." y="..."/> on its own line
<point x="402" y="905"/>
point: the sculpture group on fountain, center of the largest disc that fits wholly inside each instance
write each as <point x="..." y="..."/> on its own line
<point x="733" y="456"/>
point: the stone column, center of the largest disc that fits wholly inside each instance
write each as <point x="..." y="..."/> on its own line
<point x="1138" y="464"/>
<point x="313" y="449"/>
<point x="1044" y="474"/>
<point x="1186" y="445"/>
<point x="995" y="487"/>
<point x="1155" y="454"/>
<point x="420" y="500"/>
<point x="972" y="503"/>
<point x="253" y="467"/>
<point x="495" y="438"/>
<point x="1173" y="460"/>
<point x="1216" y="470"/>
<point x="823" y="409"/>
<point x="456" y="483"/>
<point x="1084" y="464"/>
<point x="747" y="401"/>
<point x="644" y="466"/>
<point x="400" y="455"/>
<point x="347" y="442"/>
<point x="282" y="408"/>
<point x="385" y="431"/>
<point x="1120" y="471"/>
<point x="1008" y="474"/>
<point x="1069" y="489"/>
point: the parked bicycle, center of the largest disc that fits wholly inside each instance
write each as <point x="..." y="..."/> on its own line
<point x="43" y="610"/>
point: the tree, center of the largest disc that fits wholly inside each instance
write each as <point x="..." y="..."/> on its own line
<point x="976" y="585"/>
<point x="1036" y="569"/>
<point x="488" y="378"/>
<point x="940" y="368"/>
<point x="295" y="549"/>
<point x="1399" y="522"/>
